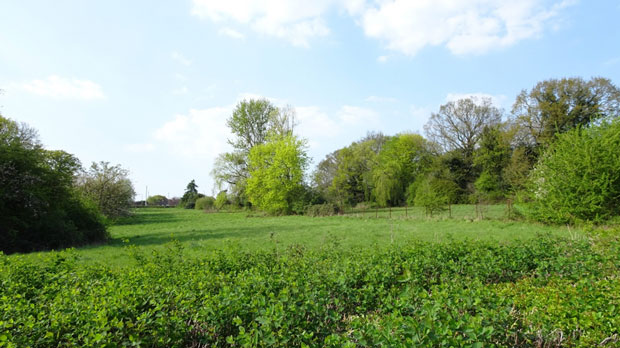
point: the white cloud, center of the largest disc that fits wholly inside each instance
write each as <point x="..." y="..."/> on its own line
<point x="464" y="27"/>
<point x="178" y="57"/>
<point x="62" y="88"/>
<point x="180" y="77"/>
<point x="357" y="116"/>
<point x="296" y="21"/>
<point x="377" y="99"/>
<point x="498" y="100"/>
<point x="140" y="147"/>
<point x="180" y="91"/>
<point x="420" y="112"/>
<point x="382" y="59"/>
<point x="199" y="135"/>
<point x="232" y="33"/>
<point x="315" y="124"/>
<point x="406" y="26"/>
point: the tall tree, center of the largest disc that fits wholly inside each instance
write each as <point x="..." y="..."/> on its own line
<point x="557" y="105"/>
<point x="492" y="157"/>
<point x="190" y="196"/>
<point x="277" y="173"/>
<point x="402" y="158"/>
<point x="345" y="176"/>
<point x="459" y="124"/>
<point x="252" y="122"/>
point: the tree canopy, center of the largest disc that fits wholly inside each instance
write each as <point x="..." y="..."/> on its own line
<point x="558" y="105"/>
<point x="459" y="124"/>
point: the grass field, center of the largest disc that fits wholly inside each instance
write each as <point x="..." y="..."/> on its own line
<point x="185" y="278"/>
<point x="198" y="232"/>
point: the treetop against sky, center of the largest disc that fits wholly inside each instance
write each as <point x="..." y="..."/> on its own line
<point x="150" y="86"/>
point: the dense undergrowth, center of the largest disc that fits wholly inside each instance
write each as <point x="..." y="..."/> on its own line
<point x="544" y="292"/>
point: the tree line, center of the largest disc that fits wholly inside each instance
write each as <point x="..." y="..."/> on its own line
<point x="472" y="152"/>
<point x="48" y="200"/>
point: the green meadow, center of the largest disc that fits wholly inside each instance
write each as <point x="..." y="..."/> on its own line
<point x="197" y="231"/>
<point x="187" y="278"/>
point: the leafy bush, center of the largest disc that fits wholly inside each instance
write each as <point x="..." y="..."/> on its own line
<point x="546" y="292"/>
<point x="157" y="200"/>
<point x="109" y="187"/>
<point x="430" y="194"/>
<point x="205" y="203"/>
<point x="578" y="177"/>
<point x="325" y="209"/>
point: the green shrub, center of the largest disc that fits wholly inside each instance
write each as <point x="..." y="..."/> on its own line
<point x="578" y="177"/>
<point x="457" y="294"/>
<point x="157" y="200"/>
<point x="205" y="203"/>
<point x="429" y="194"/>
<point x="325" y="209"/>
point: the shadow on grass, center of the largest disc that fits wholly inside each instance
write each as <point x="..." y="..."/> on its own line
<point x="146" y="218"/>
<point x="204" y="234"/>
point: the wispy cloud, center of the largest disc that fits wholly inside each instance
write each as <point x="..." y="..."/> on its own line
<point x="199" y="134"/>
<point x="62" y="88"/>
<point x="180" y="91"/>
<point x="140" y="147"/>
<point x="178" y="57"/>
<point x="296" y="21"/>
<point x="232" y="33"/>
<point x="406" y="26"/>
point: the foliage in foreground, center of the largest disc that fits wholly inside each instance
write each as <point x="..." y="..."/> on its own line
<point x="544" y="292"/>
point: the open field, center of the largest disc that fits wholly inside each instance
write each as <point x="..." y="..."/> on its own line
<point x="199" y="232"/>
<point x="184" y="278"/>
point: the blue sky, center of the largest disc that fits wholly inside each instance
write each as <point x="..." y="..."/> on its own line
<point x="149" y="84"/>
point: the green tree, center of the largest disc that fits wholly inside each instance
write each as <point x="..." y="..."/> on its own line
<point x="108" y="187"/>
<point x="345" y="176"/>
<point x="205" y="203"/>
<point x="251" y="123"/>
<point x="221" y="200"/>
<point x="188" y="200"/>
<point x="459" y="124"/>
<point x="558" y="105"/>
<point x="492" y="157"/>
<point x="40" y="208"/>
<point x="277" y="173"/>
<point x="430" y="195"/>
<point x="400" y="161"/>
<point x="518" y="168"/>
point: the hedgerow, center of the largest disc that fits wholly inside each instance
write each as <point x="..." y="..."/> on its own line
<point x="545" y="292"/>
